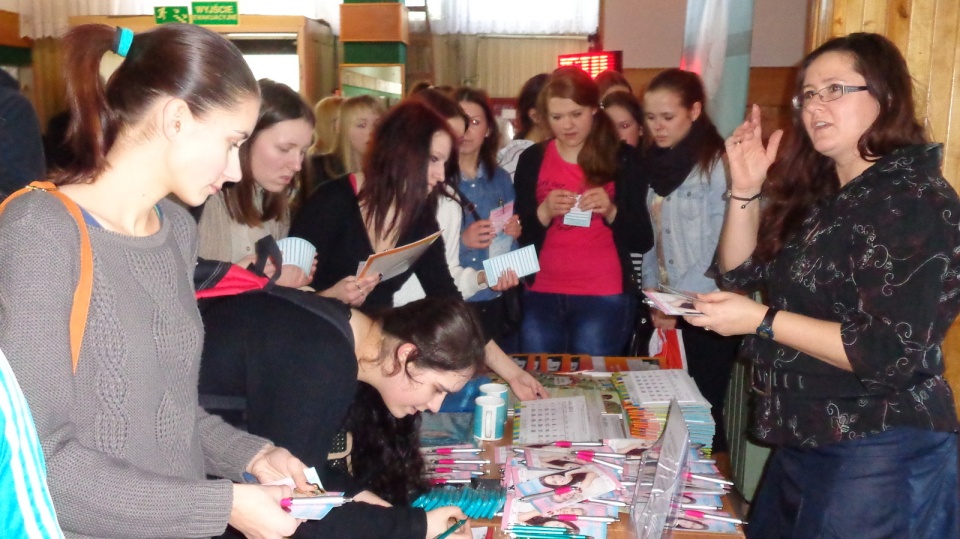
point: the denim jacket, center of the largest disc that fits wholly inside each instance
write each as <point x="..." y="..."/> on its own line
<point x="690" y="222"/>
<point x="488" y="193"/>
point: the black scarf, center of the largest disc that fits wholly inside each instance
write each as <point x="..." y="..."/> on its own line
<point x="666" y="168"/>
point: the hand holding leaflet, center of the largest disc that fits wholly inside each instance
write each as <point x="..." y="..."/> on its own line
<point x="671" y="304"/>
<point x="393" y="262"/>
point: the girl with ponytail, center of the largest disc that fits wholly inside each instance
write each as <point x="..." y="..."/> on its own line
<point x="582" y="300"/>
<point x="128" y="449"/>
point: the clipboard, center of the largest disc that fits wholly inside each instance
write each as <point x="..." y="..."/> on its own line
<point x="393" y="262"/>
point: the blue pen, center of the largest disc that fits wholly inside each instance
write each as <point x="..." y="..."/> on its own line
<point x="452" y="529"/>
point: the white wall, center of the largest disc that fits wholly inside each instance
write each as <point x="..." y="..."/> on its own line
<point x="9" y="5"/>
<point x="650" y="32"/>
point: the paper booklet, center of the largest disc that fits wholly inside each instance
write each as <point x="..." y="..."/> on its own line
<point x="523" y="262"/>
<point x="393" y="262"/>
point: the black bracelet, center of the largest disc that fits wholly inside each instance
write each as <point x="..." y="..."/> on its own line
<point x="729" y="195"/>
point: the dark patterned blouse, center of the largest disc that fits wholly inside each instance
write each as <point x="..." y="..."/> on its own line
<point x="881" y="257"/>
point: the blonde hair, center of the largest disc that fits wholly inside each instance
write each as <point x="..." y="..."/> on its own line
<point x="327" y="112"/>
<point x="349" y="110"/>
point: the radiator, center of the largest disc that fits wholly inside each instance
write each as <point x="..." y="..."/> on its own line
<point x="747" y="459"/>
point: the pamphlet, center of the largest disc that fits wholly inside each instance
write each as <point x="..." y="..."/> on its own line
<point x="393" y="262"/>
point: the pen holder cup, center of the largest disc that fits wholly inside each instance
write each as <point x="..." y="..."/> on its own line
<point x="486" y="418"/>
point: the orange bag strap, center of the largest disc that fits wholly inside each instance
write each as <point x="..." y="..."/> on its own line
<point x="81" y="296"/>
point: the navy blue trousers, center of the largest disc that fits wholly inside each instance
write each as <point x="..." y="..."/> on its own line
<point x="899" y="484"/>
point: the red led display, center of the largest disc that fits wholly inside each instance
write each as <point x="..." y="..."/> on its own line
<point x="593" y="62"/>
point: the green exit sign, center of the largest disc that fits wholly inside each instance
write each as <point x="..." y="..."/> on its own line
<point x="223" y="13"/>
<point x="168" y="14"/>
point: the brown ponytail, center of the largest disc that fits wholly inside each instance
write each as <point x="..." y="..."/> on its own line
<point x="175" y="60"/>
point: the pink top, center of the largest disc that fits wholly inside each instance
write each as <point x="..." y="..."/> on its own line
<point x="575" y="260"/>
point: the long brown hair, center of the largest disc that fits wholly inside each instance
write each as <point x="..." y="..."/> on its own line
<point x="395" y="168"/>
<point x="801" y="175"/>
<point x="688" y="86"/>
<point x="178" y="60"/>
<point x="279" y="103"/>
<point x="491" y="142"/>
<point x="386" y="455"/>
<point x="598" y="157"/>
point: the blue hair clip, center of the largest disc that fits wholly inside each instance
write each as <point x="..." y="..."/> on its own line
<point x="122" y="41"/>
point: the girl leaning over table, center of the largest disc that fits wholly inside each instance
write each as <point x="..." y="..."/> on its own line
<point x="126" y="445"/>
<point x="857" y="246"/>
<point x="392" y="203"/>
<point x="305" y="374"/>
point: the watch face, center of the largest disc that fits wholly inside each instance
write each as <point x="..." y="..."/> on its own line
<point x="765" y="332"/>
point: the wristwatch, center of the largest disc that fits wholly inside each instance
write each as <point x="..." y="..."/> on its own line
<point x="765" y="329"/>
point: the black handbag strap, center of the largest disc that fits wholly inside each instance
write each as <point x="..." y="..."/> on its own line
<point x="464" y="202"/>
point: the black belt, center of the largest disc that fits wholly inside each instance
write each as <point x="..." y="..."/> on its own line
<point x="767" y="381"/>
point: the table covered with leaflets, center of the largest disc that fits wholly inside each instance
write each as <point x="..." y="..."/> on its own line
<point x="620" y="450"/>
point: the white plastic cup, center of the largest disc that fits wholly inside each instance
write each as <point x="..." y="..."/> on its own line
<point x="298" y="252"/>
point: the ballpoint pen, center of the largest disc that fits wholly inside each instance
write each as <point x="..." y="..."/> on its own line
<point x="603" y="501"/>
<point x="584" y="518"/>
<point x="708" y="478"/>
<point x="565" y="443"/>
<point x="558" y="491"/>
<point x="708" y="516"/>
<point x="441" y="481"/>
<point x="588" y="456"/>
<point x="698" y="507"/>
<point x="452" y="529"/>
<point x="462" y="461"/>
<point x="600" y="454"/>
<point x="443" y="469"/>
<point x="452" y="450"/>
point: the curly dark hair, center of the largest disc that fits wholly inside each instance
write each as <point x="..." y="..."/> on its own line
<point x="386" y="455"/>
<point x="801" y="176"/>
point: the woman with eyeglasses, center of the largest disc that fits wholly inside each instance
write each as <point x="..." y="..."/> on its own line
<point x="856" y="245"/>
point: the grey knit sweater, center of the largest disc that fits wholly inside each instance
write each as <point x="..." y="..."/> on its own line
<point x="125" y="442"/>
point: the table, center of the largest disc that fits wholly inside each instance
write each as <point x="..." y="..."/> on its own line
<point x="617" y="530"/>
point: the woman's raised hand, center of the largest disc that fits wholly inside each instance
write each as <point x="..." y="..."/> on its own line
<point x="256" y="512"/>
<point x="749" y="159"/>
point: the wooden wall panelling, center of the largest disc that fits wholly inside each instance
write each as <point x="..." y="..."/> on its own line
<point x="49" y="88"/>
<point x="941" y="81"/>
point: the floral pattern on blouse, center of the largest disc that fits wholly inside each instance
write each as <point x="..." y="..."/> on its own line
<point x="882" y="258"/>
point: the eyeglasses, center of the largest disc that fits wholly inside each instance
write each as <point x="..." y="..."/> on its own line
<point x="829" y="93"/>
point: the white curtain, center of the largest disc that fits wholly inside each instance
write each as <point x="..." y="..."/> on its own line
<point x="43" y="18"/>
<point x="579" y="17"/>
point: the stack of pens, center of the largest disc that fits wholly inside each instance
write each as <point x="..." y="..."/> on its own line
<point x="645" y="397"/>
<point x="474" y="502"/>
<point x="453" y="465"/>
<point x="543" y="532"/>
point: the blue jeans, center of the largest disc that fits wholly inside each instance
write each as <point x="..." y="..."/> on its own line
<point x="900" y="483"/>
<point x="568" y="324"/>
